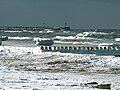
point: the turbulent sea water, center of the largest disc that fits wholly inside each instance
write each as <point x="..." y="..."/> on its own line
<point x="23" y="66"/>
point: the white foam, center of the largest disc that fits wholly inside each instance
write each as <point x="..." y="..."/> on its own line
<point x="88" y="38"/>
<point x="63" y="37"/>
<point x="13" y="31"/>
<point x="105" y="44"/>
<point x="10" y="51"/>
<point x="20" y="38"/>
<point x="84" y="34"/>
<point x="46" y="31"/>
<point x="101" y="33"/>
<point x="62" y="42"/>
<point x="37" y="38"/>
<point x="77" y="37"/>
<point x="117" y="39"/>
<point x="14" y="79"/>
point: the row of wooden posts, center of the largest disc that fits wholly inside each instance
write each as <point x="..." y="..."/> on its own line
<point x="79" y="48"/>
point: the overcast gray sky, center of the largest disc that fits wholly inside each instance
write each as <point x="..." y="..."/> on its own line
<point x="77" y="13"/>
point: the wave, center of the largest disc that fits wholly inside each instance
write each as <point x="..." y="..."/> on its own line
<point x="92" y="59"/>
<point x="46" y="31"/>
<point x="75" y="43"/>
<point x="81" y="36"/>
<point x="20" y="38"/>
<point x="62" y="42"/>
<point x="13" y="31"/>
<point x="105" y="44"/>
<point x="85" y="34"/>
<point x="38" y="38"/>
<point x="11" y="51"/>
<point x="29" y="31"/>
<point x="102" y="33"/>
<point x="75" y="38"/>
<point x="117" y="39"/>
<point x="63" y="37"/>
<point x="71" y="38"/>
<point x="36" y="70"/>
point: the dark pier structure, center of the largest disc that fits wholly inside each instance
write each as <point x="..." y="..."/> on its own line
<point x="80" y="49"/>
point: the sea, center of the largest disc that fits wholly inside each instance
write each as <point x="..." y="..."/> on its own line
<point x="23" y="65"/>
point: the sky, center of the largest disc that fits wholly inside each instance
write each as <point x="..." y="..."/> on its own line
<point x="77" y="13"/>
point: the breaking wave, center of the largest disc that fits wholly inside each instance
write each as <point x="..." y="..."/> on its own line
<point x="62" y="61"/>
<point x="20" y="38"/>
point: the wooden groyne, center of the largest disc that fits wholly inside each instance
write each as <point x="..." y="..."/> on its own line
<point x="105" y="50"/>
<point x="79" y="48"/>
